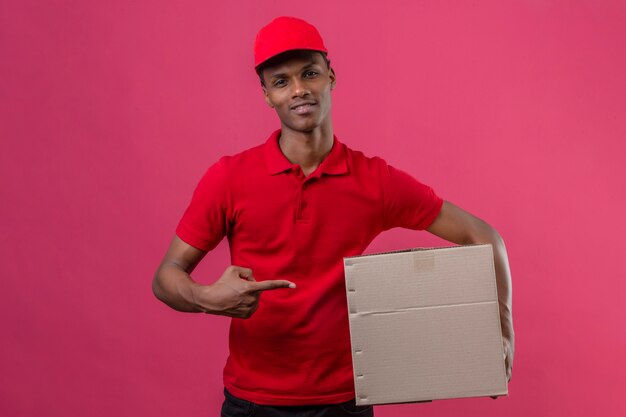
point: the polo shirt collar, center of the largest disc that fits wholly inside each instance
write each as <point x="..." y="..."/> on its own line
<point x="334" y="163"/>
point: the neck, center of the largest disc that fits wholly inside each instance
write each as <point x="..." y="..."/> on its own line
<point x="307" y="149"/>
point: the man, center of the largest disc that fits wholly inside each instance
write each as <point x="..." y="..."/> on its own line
<point x="292" y="208"/>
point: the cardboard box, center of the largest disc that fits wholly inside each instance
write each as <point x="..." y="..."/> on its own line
<point x="425" y="325"/>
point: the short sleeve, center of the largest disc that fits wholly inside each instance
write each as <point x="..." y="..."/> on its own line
<point x="205" y="221"/>
<point x="407" y="202"/>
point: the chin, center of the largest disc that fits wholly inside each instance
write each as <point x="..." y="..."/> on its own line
<point x="308" y="129"/>
<point x="304" y="128"/>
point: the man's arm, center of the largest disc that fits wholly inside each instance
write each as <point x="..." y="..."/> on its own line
<point x="457" y="225"/>
<point x="235" y="294"/>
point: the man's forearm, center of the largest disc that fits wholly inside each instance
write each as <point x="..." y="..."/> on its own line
<point x="175" y="288"/>
<point x="503" y="273"/>
<point x="503" y="281"/>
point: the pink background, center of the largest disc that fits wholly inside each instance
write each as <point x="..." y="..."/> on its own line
<point x="110" y="111"/>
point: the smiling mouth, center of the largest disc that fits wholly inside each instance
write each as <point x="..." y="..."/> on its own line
<point x="303" y="108"/>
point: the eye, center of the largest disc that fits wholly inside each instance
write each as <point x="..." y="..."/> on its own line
<point x="279" y="82"/>
<point x="310" y="74"/>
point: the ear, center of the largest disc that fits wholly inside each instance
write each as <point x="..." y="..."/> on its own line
<point x="333" y="78"/>
<point x="268" y="100"/>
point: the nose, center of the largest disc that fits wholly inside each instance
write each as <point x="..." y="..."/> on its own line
<point x="299" y="88"/>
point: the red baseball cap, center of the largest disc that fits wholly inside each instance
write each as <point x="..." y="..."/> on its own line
<point x="285" y="34"/>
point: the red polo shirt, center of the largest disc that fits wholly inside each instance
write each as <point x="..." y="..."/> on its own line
<point x="295" y="349"/>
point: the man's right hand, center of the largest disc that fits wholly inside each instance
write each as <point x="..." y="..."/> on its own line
<point x="235" y="294"/>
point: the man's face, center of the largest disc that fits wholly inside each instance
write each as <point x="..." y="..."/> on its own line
<point x="298" y="88"/>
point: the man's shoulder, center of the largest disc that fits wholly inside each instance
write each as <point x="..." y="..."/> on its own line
<point x="248" y="157"/>
<point x="360" y="160"/>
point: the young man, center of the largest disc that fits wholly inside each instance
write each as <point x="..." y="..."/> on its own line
<point x="292" y="208"/>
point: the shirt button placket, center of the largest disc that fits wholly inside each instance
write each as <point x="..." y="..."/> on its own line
<point x="303" y="209"/>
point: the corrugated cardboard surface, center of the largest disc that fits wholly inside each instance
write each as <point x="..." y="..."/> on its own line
<point x="424" y="325"/>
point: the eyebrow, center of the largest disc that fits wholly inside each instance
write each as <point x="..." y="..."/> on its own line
<point x="282" y="74"/>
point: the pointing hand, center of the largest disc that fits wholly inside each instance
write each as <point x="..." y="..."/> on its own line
<point x="236" y="293"/>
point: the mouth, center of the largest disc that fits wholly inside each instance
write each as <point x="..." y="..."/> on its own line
<point x="303" y="107"/>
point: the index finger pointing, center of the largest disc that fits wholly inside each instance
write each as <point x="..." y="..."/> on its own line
<point x="271" y="285"/>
